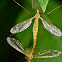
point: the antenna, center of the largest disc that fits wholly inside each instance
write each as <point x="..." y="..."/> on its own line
<point x="21" y="6"/>
<point x="54" y="9"/>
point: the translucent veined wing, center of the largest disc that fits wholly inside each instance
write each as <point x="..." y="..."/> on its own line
<point x="51" y="28"/>
<point x="48" y="54"/>
<point x="21" y="26"/>
<point x="16" y="44"/>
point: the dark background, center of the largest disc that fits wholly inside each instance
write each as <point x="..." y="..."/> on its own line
<point x="11" y="14"/>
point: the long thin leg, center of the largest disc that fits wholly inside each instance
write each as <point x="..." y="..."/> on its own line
<point x="35" y="50"/>
<point x="54" y="9"/>
<point x="32" y="4"/>
<point x="21" y="6"/>
<point x="33" y="7"/>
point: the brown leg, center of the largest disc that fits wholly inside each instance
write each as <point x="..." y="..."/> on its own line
<point x="33" y="7"/>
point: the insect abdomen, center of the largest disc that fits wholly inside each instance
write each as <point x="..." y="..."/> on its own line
<point x="35" y="29"/>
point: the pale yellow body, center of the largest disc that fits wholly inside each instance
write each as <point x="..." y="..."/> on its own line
<point x="35" y="31"/>
<point x="35" y="28"/>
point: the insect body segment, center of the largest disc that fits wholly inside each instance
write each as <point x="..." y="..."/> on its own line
<point x="35" y="28"/>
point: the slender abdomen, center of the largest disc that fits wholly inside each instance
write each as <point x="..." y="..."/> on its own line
<point x="35" y="29"/>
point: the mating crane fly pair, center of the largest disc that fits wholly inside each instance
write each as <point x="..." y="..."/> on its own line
<point x="24" y="25"/>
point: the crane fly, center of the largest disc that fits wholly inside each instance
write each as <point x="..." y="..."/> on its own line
<point x="25" y="24"/>
<point x="43" y="54"/>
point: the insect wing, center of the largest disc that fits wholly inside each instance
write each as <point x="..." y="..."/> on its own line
<point x="15" y="44"/>
<point x="21" y="26"/>
<point x="48" y="54"/>
<point x="51" y="28"/>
